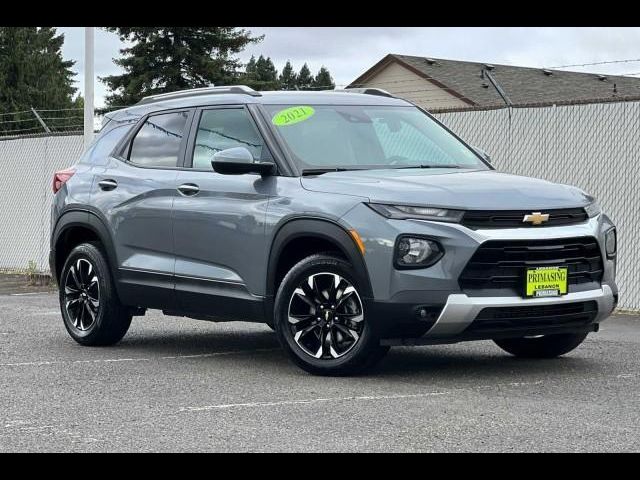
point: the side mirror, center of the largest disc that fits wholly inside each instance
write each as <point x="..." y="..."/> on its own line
<point x="483" y="154"/>
<point x="238" y="160"/>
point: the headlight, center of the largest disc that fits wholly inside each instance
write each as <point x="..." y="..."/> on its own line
<point x="403" y="212"/>
<point x="592" y="209"/>
<point x="611" y="242"/>
<point x="416" y="252"/>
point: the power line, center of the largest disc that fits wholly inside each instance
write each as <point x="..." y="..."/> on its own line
<point x="598" y="63"/>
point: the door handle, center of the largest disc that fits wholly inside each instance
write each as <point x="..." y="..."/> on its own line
<point x="188" y="189"/>
<point x="108" y="184"/>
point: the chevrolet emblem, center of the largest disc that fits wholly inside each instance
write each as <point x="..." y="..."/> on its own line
<point x="536" y="218"/>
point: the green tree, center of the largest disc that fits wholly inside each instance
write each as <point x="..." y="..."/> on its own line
<point x="261" y="74"/>
<point x="266" y="70"/>
<point x="34" y="74"/>
<point x="305" y="80"/>
<point x="251" y="66"/>
<point x="323" y="80"/>
<point x="288" y="77"/>
<point x="165" y="59"/>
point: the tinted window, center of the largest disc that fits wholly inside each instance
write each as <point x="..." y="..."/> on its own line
<point x="225" y="128"/>
<point x="103" y="146"/>
<point x="157" y="143"/>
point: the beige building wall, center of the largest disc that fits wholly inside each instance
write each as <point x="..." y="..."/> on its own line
<point x="403" y="83"/>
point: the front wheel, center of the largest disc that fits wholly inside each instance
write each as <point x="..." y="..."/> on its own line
<point x="546" y="346"/>
<point x="320" y="318"/>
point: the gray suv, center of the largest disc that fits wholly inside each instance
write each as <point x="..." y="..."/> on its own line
<point x="348" y="221"/>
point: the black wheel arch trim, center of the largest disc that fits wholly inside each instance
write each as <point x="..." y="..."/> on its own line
<point x="85" y="218"/>
<point x="322" y="228"/>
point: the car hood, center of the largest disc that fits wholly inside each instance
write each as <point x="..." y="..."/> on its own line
<point x="467" y="189"/>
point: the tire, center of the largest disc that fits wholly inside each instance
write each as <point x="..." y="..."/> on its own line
<point x="91" y="310"/>
<point x="547" y="346"/>
<point x="324" y="340"/>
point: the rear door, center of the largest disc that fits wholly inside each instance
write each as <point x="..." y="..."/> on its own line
<point x="219" y="220"/>
<point x="134" y="195"/>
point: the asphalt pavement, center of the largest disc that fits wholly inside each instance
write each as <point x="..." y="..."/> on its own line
<point x="175" y="384"/>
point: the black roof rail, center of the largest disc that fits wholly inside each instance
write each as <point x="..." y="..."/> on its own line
<point x="368" y="91"/>
<point x="238" y="89"/>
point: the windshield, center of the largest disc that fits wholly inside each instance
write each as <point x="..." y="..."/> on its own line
<point x="367" y="137"/>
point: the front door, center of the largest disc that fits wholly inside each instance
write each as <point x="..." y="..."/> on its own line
<point x="219" y="220"/>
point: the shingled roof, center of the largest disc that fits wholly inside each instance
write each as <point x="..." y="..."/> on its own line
<point x="522" y="85"/>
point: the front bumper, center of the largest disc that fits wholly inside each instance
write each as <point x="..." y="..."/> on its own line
<point x="454" y="322"/>
<point x="460" y="310"/>
<point x="450" y="310"/>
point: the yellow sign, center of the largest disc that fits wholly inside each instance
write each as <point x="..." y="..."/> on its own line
<point x="292" y="115"/>
<point x="546" y="281"/>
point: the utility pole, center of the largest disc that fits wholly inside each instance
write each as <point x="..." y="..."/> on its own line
<point x="88" y="86"/>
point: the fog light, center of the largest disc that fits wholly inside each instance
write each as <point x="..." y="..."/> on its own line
<point x="610" y="243"/>
<point x="416" y="252"/>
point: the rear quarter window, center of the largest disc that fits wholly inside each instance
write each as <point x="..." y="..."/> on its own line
<point x="98" y="153"/>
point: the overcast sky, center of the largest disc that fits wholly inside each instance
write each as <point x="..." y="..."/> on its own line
<point x="349" y="51"/>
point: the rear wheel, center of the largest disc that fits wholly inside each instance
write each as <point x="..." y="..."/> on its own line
<point x="546" y="346"/>
<point x="91" y="310"/>
<point x="320" y="318"/>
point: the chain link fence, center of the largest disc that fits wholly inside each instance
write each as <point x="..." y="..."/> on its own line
<point x="592" y="146"/>
<point x="26" y="169"/>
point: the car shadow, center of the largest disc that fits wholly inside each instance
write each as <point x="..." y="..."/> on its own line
<point x="197" y="342"/>
<point x="474" y="360"/>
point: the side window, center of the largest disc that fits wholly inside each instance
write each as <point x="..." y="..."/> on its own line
<point x="157" y="143"/>
<point x="224" y="128"/>
<point x="104" y="144"/>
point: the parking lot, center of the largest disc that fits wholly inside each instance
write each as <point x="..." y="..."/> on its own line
<point x="177" y="384"/>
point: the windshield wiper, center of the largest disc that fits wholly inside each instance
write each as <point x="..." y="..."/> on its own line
<point x="320" y="171"/>
<point x="433" y="166"/>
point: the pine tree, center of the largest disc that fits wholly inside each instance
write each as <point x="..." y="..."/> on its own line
<point x="288" y="77"/>
<point x="305" y="79"/>
<point x="323" y="80"/>
<point x="34" y="74"/>
<point x="261" y="74"/>
<point x="251" y="66"/>
<point x="165" y="59"/>
<point x="266" y="70"/>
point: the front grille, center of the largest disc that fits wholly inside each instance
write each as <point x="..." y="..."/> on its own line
<point x="477" y="219"/>
<point x="498" y="266"/>
<point x="531" y="317"/>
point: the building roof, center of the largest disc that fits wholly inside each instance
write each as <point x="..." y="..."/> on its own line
<point x="521" y="85"/>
